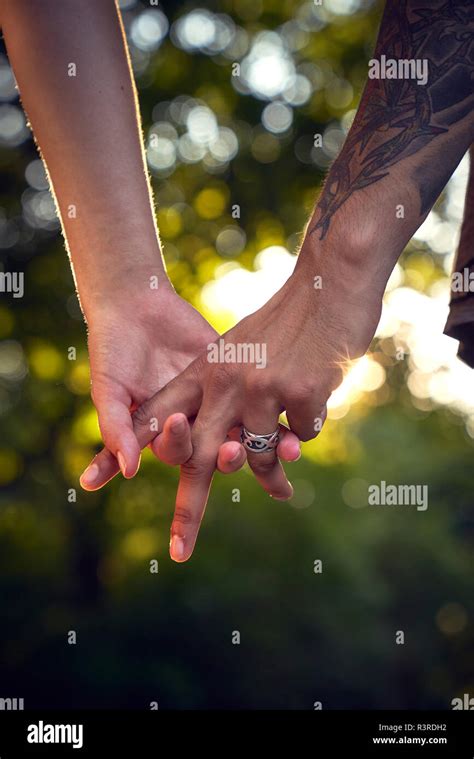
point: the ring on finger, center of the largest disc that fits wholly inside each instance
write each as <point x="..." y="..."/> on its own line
<point x="259" y="443"/>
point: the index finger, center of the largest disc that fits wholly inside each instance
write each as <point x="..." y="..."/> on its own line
<point x="209" y="431"/>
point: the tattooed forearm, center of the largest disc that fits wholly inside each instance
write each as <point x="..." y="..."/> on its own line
<point x="398" y="117"/>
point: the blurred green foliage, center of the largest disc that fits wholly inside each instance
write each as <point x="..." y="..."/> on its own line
<point x="85" y="565"/>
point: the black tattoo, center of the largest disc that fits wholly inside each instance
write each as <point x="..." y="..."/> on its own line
<point x="398" y="117"/>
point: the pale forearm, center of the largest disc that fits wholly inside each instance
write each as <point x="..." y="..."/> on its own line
<point x="70" y="61"/>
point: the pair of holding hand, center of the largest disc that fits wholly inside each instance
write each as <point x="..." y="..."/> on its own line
<point x="306" y="335"/>
<point x="148" y="348"/>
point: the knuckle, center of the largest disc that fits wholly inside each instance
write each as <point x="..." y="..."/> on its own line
<point x="301" y="392"/>
<point x="258" y="383"/>
<point x="184" y="516"/>
<point x="196" y="468"/>
<point x="262" y="465"/>
<point x="305" y="428"/>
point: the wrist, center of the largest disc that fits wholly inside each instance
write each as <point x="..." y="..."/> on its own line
<point x="340" y="280"/>
<point x="134" y="290"/>
<point x="354" y="259"/>
<point x="339" y="301"/>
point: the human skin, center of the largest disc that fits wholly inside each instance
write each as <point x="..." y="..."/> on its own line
<point x="75" y="81"/>
<point x="406" y="141"/>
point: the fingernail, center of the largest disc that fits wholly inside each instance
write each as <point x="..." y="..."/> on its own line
<point x="177" y="548"/>
<point x="178" y="425"/>
<point x="122" y="463"/>
<point x="235" y="457"/>
<point x="89" y="476"/>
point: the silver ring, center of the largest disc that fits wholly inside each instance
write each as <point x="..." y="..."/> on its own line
<point x="259" y="443"/>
